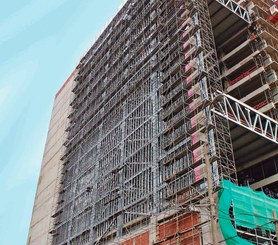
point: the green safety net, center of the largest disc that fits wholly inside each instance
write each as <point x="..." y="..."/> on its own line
<point x="251" y="209"/>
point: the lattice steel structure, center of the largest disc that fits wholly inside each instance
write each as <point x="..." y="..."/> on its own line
<point x="245" y="116"/>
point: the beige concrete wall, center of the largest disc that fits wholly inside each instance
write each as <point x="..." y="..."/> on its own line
<point x="51" y="165"/>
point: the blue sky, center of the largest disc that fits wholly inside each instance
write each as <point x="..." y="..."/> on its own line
<point x="41" y="42"/>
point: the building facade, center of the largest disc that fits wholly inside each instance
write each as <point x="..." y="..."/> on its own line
<point x="174" y="109"/>
<point x="51" y="167"/>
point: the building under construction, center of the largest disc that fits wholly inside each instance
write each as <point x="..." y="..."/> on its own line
<point x="172" y="133"/>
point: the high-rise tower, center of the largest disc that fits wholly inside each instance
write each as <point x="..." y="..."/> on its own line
<point x="174" y="108"/>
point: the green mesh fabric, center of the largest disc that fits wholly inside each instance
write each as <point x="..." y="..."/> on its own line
<point x="251" y="209"/>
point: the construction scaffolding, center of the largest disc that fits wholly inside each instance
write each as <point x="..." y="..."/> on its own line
<point x="145" y="153"/>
